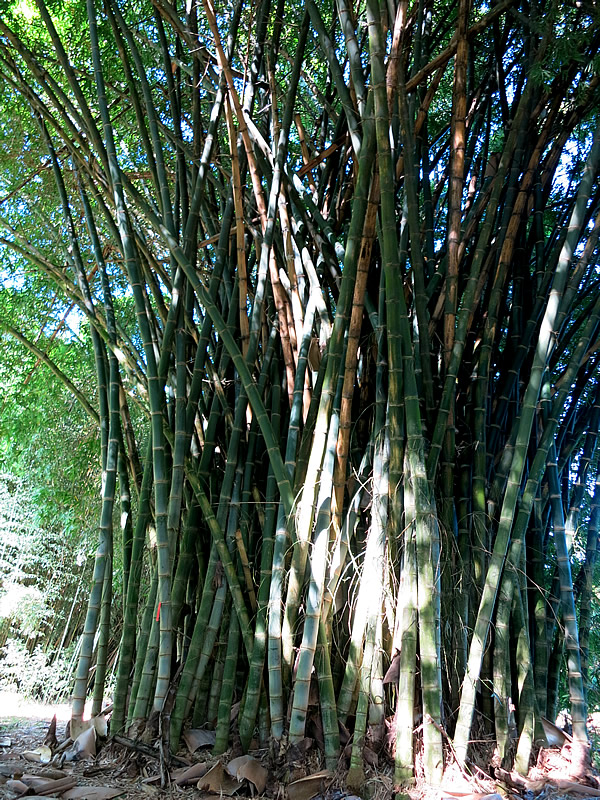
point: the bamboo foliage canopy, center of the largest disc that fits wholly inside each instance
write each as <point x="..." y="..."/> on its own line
<point x="340" y="270"/>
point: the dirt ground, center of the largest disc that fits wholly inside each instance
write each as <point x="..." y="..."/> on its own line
<point x="24" y="725"/>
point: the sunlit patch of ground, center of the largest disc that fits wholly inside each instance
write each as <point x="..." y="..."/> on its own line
<point x="15" y="707"/>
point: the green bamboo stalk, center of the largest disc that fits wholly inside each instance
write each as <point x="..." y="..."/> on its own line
<point x="554" y="669"/>
<point x="527" y="712"/>
<point x="217" y="620"/>
<point x="347" y="24"/>
<point x="502" y="670"/>
<point x="591" y="555"/>
<point x="330" y="54"/>
<point x="214" y="690"/>
<point x="227" y="687"/>
<point x="103" y="640"/>
<point x="536" y="576"/>
<point x="128" y="638"/>
<point x="343" y="309"/>
<point x="103" y="558"/>
<point x="542" y="354"/>
<point x="569" y="616"/>
<point x="371" y="578"/>
<point x="585" y="459"/>
<point x="427" y="531"/>
<point x="356" y="773"/>
<point x="253" y="690"/>
<point x="74" y="84"/>
<point x="329" y="717"/>
<point x="194" y="668"/>
<point x="407" y="634"/>
<point x="147" y="661"/>
<point x="154" y="391"/>
<point x="141" y="645"/>
<point x="318" y="564"/>
<point x="126" y="521"/>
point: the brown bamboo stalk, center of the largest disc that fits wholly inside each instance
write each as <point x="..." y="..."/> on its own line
<point x="239" y="231"/>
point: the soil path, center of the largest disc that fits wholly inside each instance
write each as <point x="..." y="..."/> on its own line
<point x="24" y="725"/>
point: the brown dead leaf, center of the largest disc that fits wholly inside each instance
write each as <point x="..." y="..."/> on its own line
<point x="308" y="787"/>
<point x="195" y="738"/>
<point x="393" y="672"/>
<point x="51" y="772"/>
<point x="185" y="775"/>
<point x="10" y="771"/>
<point x="18" y="787"/>
<point x="344" y="733"/>
<point x="370" y="757"/>
<point x="575" y="788"/>
<point x="554" y="735"/>
<point x="99" y="724"/>
<point x="34" y="781"/>
<point x="248" y="768"/>
<point x="218" y="781"/>
<point x="297" y="751"/>
<point x="472" y="795"/>
<point x="150" y="790"/>
<point x="51" y="739"/>
<point x="58" y="786"/>
<point x="83" y="747"/>
<point x="514" y="780"/>
<point x="92" y="793"/>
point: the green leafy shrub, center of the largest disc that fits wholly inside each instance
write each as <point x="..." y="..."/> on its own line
<point x="23" y="608"/>
<point x="33" y="675"/>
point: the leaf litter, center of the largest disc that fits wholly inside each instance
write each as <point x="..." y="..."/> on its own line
<point x="94" y="767"/>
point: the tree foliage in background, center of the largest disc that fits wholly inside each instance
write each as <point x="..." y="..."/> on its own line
<point x="338" y="270"/>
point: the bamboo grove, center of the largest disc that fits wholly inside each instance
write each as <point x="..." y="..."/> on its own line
<point x="340" y="270"/>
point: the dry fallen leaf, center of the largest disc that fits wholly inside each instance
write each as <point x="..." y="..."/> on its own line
<point x="554" y="735"/>
<point x="393" y="671"/>
<point x="51" y="739"/>
<point x="92" y="793"/>
<point x="10" y="771"/>
<point x="574" y="787"/>
<point x="218" y="781"/>
<point x="195" y="738"/>
<point x="370" y="756"/>
<point x="249" y="768"/>
<point x="34" y="781"/>
<point x="150" y="790"/>
<point x="84" y="746"/>
<point x="189" y="774"/>
<point x="41" y="755"/>
<point x="53" y="773"/>
<point x="472" y="795"/>
<point x="308" y="787"/>
<point x="46" y="786"/>
<point x="18" y="787"/>
<point x="99" y="724"/>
